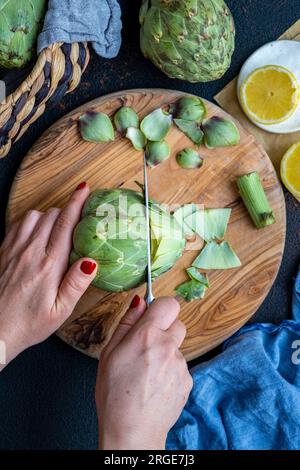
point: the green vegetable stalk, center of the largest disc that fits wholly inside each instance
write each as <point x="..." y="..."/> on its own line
<point x="255" y="199"/>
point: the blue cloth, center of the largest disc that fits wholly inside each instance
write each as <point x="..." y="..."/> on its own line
<point x="248" y="397"/>
<point x="95" y="21"/>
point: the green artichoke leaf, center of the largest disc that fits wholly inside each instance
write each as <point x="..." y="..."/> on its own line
<point x="124" y="118"/>
<point x="175" y="24"/>
<point x="86" y="240"/>
<point x="156" y="125"/>
<point x="137" y="138"/>
<point x="217" y="256"/>
<point x="143" y="11"/>
<point x="219" y="132"/>
<point x="209" y="224"/>
<point x="191" y="129"/>
<point x="191" y="290"/>
<point x="197" y="276"/>
<point x="96" y="127"/>
<point x="157" y="152"/>
<point x="189" y="159"/>
<point x="189" y="108"/>
<point x="181" y="214"/>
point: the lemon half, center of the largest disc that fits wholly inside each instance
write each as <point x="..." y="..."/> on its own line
<point x="290" y="170"/>
<point x="270" y="94"/>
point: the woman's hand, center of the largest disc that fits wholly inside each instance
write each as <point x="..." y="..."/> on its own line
<point x="143" y="381"/>
<point x="36" y="293"/>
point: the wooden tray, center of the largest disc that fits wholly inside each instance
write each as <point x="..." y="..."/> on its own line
<point x="61" y="159"/>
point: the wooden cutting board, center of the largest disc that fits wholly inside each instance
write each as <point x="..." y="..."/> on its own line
<point x="61" y="159"/>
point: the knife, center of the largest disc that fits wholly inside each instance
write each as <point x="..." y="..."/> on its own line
<point x="149" y="295"/>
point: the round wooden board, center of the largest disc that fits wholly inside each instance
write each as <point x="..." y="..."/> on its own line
<point x="61" y="159"/>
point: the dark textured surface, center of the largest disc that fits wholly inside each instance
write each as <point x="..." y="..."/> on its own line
<point x="46" y="394"/>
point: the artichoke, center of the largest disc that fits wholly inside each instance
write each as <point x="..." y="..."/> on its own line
<point x="20" y="24"/>
<point x="113" y="232"/>
<point x="191" y="40"/>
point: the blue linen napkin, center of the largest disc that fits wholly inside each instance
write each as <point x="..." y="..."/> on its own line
<point x="248" y="397"/>
<point x="95" y="21"/>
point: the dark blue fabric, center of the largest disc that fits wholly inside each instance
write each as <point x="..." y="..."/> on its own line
<point x="248" y="397"/>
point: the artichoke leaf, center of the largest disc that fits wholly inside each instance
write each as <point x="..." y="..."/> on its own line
<point x="156" y="125"/>
<point x="191" y="129"/>
<point x="191" y="290"/>
<point x="197" y="276"/>
<point x="217" y="256"/>
<point x="209" y="224"/>
<point x="181" y="214"/>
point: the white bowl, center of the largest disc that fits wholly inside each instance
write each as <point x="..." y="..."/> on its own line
<point x="283" y="53"/>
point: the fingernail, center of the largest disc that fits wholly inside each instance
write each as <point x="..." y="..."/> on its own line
<point x="88" y="267"/>
<point x="81" y="186"/>
<point x="135" y="301"/>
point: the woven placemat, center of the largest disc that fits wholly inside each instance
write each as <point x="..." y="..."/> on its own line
<point x="275" y="144"/>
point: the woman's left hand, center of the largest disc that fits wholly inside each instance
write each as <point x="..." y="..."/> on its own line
<point x="37" y="293"/>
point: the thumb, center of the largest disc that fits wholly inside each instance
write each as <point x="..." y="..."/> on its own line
<point x="74" y="285"/>
<point x="133" y="314"/>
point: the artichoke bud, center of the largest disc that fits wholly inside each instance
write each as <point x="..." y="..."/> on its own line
<point x="176" y="25"/>
<point x="125" y="117"/>
<point x="157" y="152"/>
<point x="189" y="108"/>
<point x="189" y="158"/>
<point x="122" y="256"/>
<point x="219" y="132"/>
<point x="20" y="24"/>
<point x="136" y="137"/>
<point x="96" y="127"/>
<point x="156" y="125"/>
<point x="191" y="129"/>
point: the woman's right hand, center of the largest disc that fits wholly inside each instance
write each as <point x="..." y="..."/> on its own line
<point x="143" y="381"/>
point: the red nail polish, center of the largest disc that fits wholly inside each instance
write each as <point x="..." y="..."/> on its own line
<point x="81" y="186"/>
<point x="88" y="267"/>
<point x="135" y="301"/>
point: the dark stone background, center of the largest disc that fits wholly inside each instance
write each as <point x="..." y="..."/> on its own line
<point x="46" y="394"/>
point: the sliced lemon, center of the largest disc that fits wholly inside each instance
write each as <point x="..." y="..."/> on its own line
<point x="270" y="94"/>
<point x="290" y="170"/>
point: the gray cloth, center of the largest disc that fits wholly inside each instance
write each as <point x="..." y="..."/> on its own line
<point x="95" y="21"/>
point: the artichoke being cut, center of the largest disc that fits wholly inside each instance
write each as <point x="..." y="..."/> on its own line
<point x="191" y="40"/>
<point x="20" y="24"/>
<point x="113" y="232"/>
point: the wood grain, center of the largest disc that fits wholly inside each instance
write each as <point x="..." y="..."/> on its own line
<point x="61" y="159"/>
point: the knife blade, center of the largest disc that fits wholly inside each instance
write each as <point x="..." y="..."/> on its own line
<point x="149" y="295"/>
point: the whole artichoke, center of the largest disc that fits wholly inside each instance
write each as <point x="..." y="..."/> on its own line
<point x="113" y="232"/>
<point x="20" y="24"/>
<point x="191" y="40"/>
